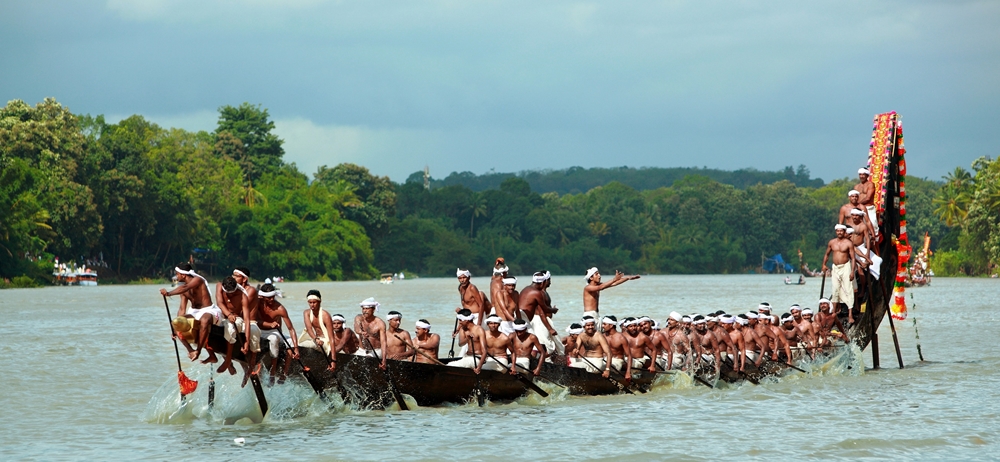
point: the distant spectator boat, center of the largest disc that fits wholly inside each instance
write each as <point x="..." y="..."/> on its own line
<point x="72" y="276"/>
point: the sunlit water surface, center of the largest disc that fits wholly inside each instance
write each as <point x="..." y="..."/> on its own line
<point x="89" y="373"/>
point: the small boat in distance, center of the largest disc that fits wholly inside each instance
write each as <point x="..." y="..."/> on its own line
<point x="789" y="282"/>
<point x="386" y="278"/>
<point x="72" y="276"/>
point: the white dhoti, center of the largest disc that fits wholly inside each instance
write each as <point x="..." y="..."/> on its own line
<point x="843" y="288"/>
<point x="596" y="365"/>
<point x="873" y="218"/>
<point x="212" y="310"/>
<point x="372" y="353"/>
<point x="275" y="339"/>
<point x="467" y="362"/>
<point x="751" y="355"/>
<point x="876" y="265"/>
<point x="231" y="329"/>
<point x="551" y="343"/>
<point x="507" y="327"/>
<point x="254" y="337"/>
<point x="678" y="363"/>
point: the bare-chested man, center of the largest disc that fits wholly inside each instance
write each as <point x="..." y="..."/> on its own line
<point x="842" y="250"/>
<point x="318" y="325"/>
<point x="570" y="343"/>
<point x="592" y="291"/>
<point x="674" y="343"/>
<point x="371" y="329"/>
<point x="826" y="321"/>
<point x="397" y="341"/>
<point x="853" y="202"/>
<point x="247" y="322"/>
<point x="733" y="329"/>
<point x="344" y="339"/>
<point x="505" y="305"/>
<point x="523" y="343"/>
<point x="863" y="240"/>
<point x="537" y="308"/>
<point x="621" y="354"/>
<point x="794" y="336"/>
<point x="272" y="313"/>
<point x="866" y="196"/>
<point x="195" y="291"/>
<point x="726" y="345"/>
<point x="496" y="282"/>
<point x="754" y="345"/>
<point x="707" y="343"/>
<point x="593" y="350"/>
<point x="808" y="327"/>
<point x="497" y="345"/>
<point x="770" y="322"/>
<point x="472" y="335"/>
<point x="426" y="342"/>
<point x="230" y="298"/>
<point x="471" y="297"/>
<point x="640" y="346"/>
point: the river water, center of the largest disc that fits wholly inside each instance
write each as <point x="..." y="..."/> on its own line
<point x="89" y="373"/>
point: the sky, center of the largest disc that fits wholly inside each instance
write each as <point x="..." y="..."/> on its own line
<point x="511" y="86"/>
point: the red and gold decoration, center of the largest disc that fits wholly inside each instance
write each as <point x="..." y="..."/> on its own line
<point x="887" y="141"/>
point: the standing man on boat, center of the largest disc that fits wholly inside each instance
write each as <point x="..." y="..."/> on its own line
<point x="230" y="298"/>
<point x="371" y="329"/>
<point x="318" y="326"/>
<point x="397" y="341"/>
<point x="863" y="240"/>
<point x="522" y="345"/>
<point x="866" y="191"/>
<point x="203" y="311"/>
<point x="496" y="281"/>
<point x="426" y="342"/>
<point x="470" y="334"/>
<point x="842" y="273"/>
<point x="592" y="291"/>
<point x="272" y="314"/>
<point x="343" y="339"/>
<point x="595" y="355"/>
<point x="621" y="354"/>
<point x="471" y="297"/>
<point x="536" y="305"/>
<point x="853" y="202"/>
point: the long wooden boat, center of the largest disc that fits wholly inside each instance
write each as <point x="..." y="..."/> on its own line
<point x="581" y="382"/>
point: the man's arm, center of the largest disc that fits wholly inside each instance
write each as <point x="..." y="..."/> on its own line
<point x="541" y="351"/>
<point x="382" y="340"/>
<point x="283" y="316"/>
<point x="826" y="256"/>
<point x="603" y="342"/>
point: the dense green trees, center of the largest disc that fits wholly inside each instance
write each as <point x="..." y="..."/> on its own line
<point x="970" y="206"/>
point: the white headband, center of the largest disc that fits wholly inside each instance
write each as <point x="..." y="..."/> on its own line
<point x="236" y="271"/>
<point x="511" y="281"/>
<point x="423" y="325"/>
<point x="465" y="318"/>
<point x="764" y="306"/>
<point x="864" y="170"/>
<point x="727" y="319"/>
<point x="500" y="270"/>
<point x="853" y="192"/>
<point x="839" y="226"/>
<point x="686" y="319"/>
<point x="712" y="319"/>
<point x="589" y="321"/>
<point x="807" y="311"/>
<point x="752" y="315"/>
<point x="645" y="319"/>
<point x="741" y="321"/>
<point x="850" y="230"/>
<point x="268" y="294"/>
<point x="337" y="317"/>
<point x="571" y="331"/>
<point x="393" y="316"/>
<point x="675" y="316"/>
<point x="700" y="321"/>
<point x="795" y="307"/>
<point x="188" y="273"/>
<point x="461" y="272"/>
<point x="537" y="278"/>
<point x="493" y="318"/>
<point x="520" y="327"/>
<point x="857" y="212"/>
<point x="370" y="303"/>
<point x="607" y="320"/>
<point x="787" y="319"/>
<point x="590" y="274"/>
<point x="313" y="297"/>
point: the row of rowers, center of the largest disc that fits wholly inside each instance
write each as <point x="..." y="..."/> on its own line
<point x="700" y="341"/>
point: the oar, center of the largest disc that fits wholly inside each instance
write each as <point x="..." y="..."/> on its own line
<point x="693" y="375"/>
<point x="186" y="385"/>
<point x="211" y="388"/>
<point x="478" y="391"/>
<point x="316" y="386"/>
<point x="632" y="385"/>
<point x="388" y="378"/>
<point x="732" y="364"/>
<point x="786" y="365"/>
<point x="822" y="283"/>
<point x="421" y="353"/>
<point x="451" y="352"/>
<point x="618" y="384"/>
<point x="336" y="373"/>
<point x="527" y="382"/>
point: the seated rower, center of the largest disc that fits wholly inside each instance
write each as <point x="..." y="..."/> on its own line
<point x="232" y="302"/>
<point x="397" y="341"/>
<point x="595" y="356"/>
<point x="674" y="344"/>
<point x="621" y="355"/>
<point x="736" y="338"/>
<point x="570" y="343"/>
<point x="826" y="321"/>
<point x="426" y="342"/>
<point x="318" y="325"/>
<point x="272" y="314"/>
<point x="370" y="330"/>
<point x="752" y="343"/>
<point x="343" y="339"/>
<point x="471" y="335"/>
<point x="195" y="291"/>
<point x="640" y="346"/>
<point x="497" y="344"/>
<point x="794" y="336"/>
<point x="523" y="345"/>
<point x="708" y="345"/>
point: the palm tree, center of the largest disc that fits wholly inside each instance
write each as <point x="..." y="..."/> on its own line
<point x="952" y="206"/>
<point x="477" y="208"/>
<point x="960" y="179"/>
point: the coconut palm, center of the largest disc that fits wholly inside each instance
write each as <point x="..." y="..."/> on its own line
<point x="477" y="208"/>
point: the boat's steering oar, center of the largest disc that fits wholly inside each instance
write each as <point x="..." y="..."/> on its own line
<point x="526" y="381"/>
<point x="388" y="378"/>
<point x="186" y="385"/>
<point x="621" y="387"/>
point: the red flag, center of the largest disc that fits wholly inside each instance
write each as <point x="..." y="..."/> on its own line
<point x="187" y="385"/>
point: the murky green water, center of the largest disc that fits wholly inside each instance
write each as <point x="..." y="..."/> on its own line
<point x="89" y="373"/>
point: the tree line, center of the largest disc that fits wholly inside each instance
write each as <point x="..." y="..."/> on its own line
<point x="134" y="198"/>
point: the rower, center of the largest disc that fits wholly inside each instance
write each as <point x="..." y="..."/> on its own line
<point x="343" y="339"/>
<point x="231" y="302"/>
<point x="318" y="325"/>
<point x="640" y="346"/>
<point x="714" y="324"/>
<point x="646" y="324"/>
<point x="272" y="314"/>
<point x="621" y="355"/>
<point x="426" y="342"/>
<point x="535" y="303"/>
<point x="764" y="308"/>
<point x="752" y="343"/>
<point x="592" y="291"/>
<point x="471" y="297"/>
<point x="770" y="325"/>
<point x="768" y="340"/>
<point x="593" y="350"/>
<point x="675" y="344"/>
<point x="469" y="334"/>
<point x="843" y="269"/>
<point x="826" y="321"/>
<point x="808" y="326"/>
<point x="371" y="329"/>
<point x="571" y="343"/>
<point x="250" y="317"/>
<point x="733" y="329"/>
<point x="523" y="344"/>
<point x="708" y="343"/>
<point x="497" y="344"/>
<point x="397" y="341"/>
<point x="794" y="336"/>
<point x="195" y="291"/>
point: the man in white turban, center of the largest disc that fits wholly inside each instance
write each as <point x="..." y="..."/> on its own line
<point x="592" y="291"/>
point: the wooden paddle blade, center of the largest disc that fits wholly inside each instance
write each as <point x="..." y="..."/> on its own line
<point x="187" y="385"/>
<point x="259" y="392"/>
<point x="531" y="385"/>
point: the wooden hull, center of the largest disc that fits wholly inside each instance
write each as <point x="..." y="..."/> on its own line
<point x="581" y="382"/>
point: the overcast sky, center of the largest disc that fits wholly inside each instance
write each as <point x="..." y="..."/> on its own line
<point x="510" y="86"/>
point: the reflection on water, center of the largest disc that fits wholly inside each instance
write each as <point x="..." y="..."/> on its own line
<point x="89" y="373"/>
